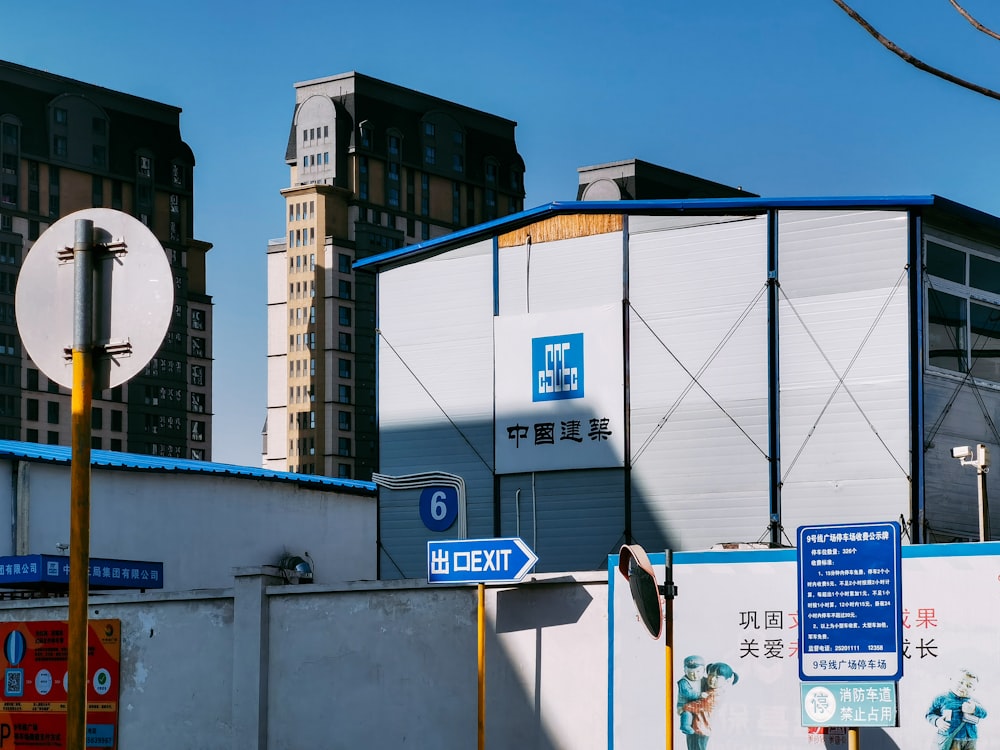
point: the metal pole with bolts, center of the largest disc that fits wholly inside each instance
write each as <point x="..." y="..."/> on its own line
<point x="79" y="540"/>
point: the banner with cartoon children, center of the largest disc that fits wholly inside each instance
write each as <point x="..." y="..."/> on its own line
<point x="735" y="682"/>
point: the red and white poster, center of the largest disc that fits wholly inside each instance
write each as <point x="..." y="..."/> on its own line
<point x="35" y="657"/>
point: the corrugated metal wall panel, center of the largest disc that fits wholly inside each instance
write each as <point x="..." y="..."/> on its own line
<point x="843" y="313"/>
<point x="579" y="514"/>
<point x="435" y="364"/>
<point x="954" y="417"/>
<point x="560" y="275"/>
<point x="700" y="472"/>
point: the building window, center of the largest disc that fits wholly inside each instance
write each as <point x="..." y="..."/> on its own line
<point x="344" y="315"/>
<point x="393" y="199"/>
<point x="963" y="311"/>
<point x="344" y="446"/>
<point x="366" y="137"/>
<point x="52" y="438"/>
<point x="145" y="168"/>
<point x="197" y="375"/>
<point x="198" y="320"/>
<point x="343" y="263"/>
<point x="197" y="431"/>
<point x="344" y="341"/>
<point x="97" y="418"/>
<point x="430" y="154"/>
<point x="116" y="421"/>
<point x="344" y="289"/>
<point x="344" y="368"/>
<point x="458" y="162"/>
<point x="344" y="421"/>
<point x="31" y="410"/>
<point x="344" y="471"/>
<point x="344" y="394"/>
<point x="59" y="147"/>
<point x="393" y="146"/>
<point x="197" y="402"/>
<point x="53" y="412"/>
<point x="491" y="173"/>
<point x="197" y="346"/>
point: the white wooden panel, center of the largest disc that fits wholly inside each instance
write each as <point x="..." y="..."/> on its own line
<point x="435" y="390"/>
<point x="698" y="343"/>
<point x="562" y="274"/>
<point x="844" y="399"/>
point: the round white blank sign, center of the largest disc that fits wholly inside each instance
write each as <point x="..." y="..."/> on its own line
<point x="133" y="298"/>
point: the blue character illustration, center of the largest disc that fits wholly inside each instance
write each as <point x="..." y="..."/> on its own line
<point x="718" y="677"/>
<point x="956" y="714"/>
<point x="689" y="689"/>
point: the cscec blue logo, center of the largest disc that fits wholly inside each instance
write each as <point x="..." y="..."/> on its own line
<point x="557" y="366"/>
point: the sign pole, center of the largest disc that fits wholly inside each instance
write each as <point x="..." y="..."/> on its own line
<point x="482" y="666"/>
<point x="668" y="637"/>
<point x="79" y="546"/>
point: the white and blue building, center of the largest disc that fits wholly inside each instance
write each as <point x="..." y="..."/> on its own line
<point x="685" y="373"/>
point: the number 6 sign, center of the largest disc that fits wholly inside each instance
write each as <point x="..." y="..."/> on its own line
<point x="438" y="507"/>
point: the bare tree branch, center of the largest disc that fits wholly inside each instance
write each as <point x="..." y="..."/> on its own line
<point x="973" y="21"/>
<point x="920" y="64"/>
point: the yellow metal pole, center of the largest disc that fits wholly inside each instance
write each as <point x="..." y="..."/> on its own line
<point x="669" y="671"/>
<point x="668" y="637"/>
<point x="853" y="738"/>
<point x="482" y="666"/>
<point x="79" y="532"/>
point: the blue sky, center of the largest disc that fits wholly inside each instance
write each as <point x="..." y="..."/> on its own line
<point x="782" y="98"/>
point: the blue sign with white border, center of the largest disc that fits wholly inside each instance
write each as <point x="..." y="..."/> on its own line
<point x="850" y="602"/>
<point x="849" y="704"/>
<point x="557" y="366"/>
<point x="439" y="507"/>
<point x="505" y="560"/>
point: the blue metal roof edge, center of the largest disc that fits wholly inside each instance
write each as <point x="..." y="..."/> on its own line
<point x="112" y="459"/>
<point x="680" y="205"/>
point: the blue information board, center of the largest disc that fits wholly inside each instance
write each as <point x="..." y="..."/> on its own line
<point x="504" y="560"/>
<point x="850" y="602"/>
<point x="29" y="571"/>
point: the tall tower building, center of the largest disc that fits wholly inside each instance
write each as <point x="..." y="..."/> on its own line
<point x="65" y="146"/>
<point x="373" y="167"/>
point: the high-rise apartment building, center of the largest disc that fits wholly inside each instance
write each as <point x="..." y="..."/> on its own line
<point x="373" y="167"/>
<point x="65" y="146"/>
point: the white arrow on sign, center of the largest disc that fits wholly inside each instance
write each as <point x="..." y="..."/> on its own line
<point x="505" y="560"/>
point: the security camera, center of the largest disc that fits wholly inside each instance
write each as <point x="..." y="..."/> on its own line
<point x="962" y="451"/>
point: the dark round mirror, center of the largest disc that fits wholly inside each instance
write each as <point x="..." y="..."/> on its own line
<point x="634" y="564"/>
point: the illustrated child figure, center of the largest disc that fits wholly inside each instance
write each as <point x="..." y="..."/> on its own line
<point x="689" y="689"/>
<point x="718" y="677"/>
<point x="956" y="714"/>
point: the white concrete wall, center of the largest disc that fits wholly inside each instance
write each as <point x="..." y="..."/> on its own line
<point x="198" y="525"/>
<point x="375" y="665"/>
